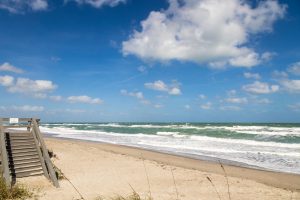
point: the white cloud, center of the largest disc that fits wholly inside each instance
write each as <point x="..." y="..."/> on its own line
<point x="84" y="99"/>
<point x="99" y="3"/>
<point x="28" y="108"/>
<point x="263" y="101"/>
<point x="138" y="95"/>
<point x="279" y="74"/>
<point x="252" y="75"/>
<point x="6" y="81"/>
<point x="294" y="68"/>
<point x="260" y="88"/>
<point x="172" y="89"/>
<point x="56" y="98"/>
<point x="230" y="108"/>
<point x="206" y="106"/>
<point x="266" y="56"/>
<point x="237" y="100"/>
<point x="10" y="68"/>
<point x="210" y="31"/>
<point x="141" y="98"/>
<point x="291" y="85"/>
<point x="35" y="88"/>
<point x="28" y="86"/>
<point x="21" y="6"/>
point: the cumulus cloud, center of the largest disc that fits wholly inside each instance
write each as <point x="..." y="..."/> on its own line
<point x="260" y="88"/>
<point x="21" y="6"/>
<point x="138" y="95"/>
<point x="291" y="85"/>
<point x="252" y="75"/>
<point x="10" y="68"/>
<point x="237" y="100"/>
<point x="35" y="88"/>
<point x="6" y="81"/>
<point x="208" y="31"/>
<point x="172" y="89"/>
<point x="99" y="3"/>
<point x="294" y="68"/>
<point x="28" y="86"/>
<point x="279" y="74"/>
<point x="84" y="99"/>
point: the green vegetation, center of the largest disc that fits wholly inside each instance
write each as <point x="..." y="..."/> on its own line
<point x="14" y="192"/>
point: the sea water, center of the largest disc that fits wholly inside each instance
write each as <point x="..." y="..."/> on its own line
<point x="274" y="147"/>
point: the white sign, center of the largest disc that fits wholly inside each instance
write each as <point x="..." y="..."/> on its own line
<point x="13" y="120"/>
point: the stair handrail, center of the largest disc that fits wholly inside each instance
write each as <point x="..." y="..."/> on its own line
<point x="5" y="166"/>
<point x="46" y="157"/>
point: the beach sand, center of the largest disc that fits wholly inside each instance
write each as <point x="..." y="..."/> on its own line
<point x="105" y="170"/>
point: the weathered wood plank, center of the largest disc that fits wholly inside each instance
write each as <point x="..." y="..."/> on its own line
<point x="4" y="157"/>
<point x="40" y="154"/>
<point x="45" y="153"/>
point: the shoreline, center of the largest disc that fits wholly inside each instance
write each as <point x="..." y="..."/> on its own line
<point x="284" y="180"/>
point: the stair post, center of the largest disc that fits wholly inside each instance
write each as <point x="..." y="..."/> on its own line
<point x="5" y="168"/>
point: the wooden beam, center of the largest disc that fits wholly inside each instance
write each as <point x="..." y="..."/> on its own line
<point x="5" y="169"/>
<point x="45" y="153"/>
<point x="40" y="154"/>
<point x="20" y="119"/>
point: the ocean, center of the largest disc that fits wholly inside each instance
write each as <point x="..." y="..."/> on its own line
<point x="274" y="147"/>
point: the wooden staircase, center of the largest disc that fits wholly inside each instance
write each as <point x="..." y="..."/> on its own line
<point x="23" y="153"/>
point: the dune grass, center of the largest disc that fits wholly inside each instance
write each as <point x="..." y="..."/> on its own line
<point x="14" y="192"/>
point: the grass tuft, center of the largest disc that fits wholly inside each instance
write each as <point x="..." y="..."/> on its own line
<point x="14" y="192"/>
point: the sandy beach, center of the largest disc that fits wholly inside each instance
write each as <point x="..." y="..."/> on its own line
<point x="104" y="170"/>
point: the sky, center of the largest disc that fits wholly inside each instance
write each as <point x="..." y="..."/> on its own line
<point x="150" y="61"/>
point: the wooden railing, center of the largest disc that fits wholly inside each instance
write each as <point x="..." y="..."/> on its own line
<point x="4" y="158"/>
<point x="33" y="127"/>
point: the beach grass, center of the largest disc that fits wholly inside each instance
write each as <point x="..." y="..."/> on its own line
<point x="15" y="192"/>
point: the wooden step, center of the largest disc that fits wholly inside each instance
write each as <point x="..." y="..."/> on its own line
<point x="22" y="155"/>
<point x="23" y="147"/>
<point x="25" y="140"/>
<point x="27" y="166"/>
<point x="14" y="152"/>
<point x="32" y="173"/>
<point x="21" y="142"/>
<point x="20" y="137"/>
<point x="25" y="158"/>
<point x="21" y="162"/>
<point x="27" y="170"/>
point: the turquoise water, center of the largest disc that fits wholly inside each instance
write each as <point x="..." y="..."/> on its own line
<point x="268" y="146"/>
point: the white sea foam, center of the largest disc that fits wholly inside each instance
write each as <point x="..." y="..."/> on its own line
<point x="266" y="154"/>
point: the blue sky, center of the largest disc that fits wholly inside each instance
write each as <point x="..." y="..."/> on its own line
<point x="160" y="60"/>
